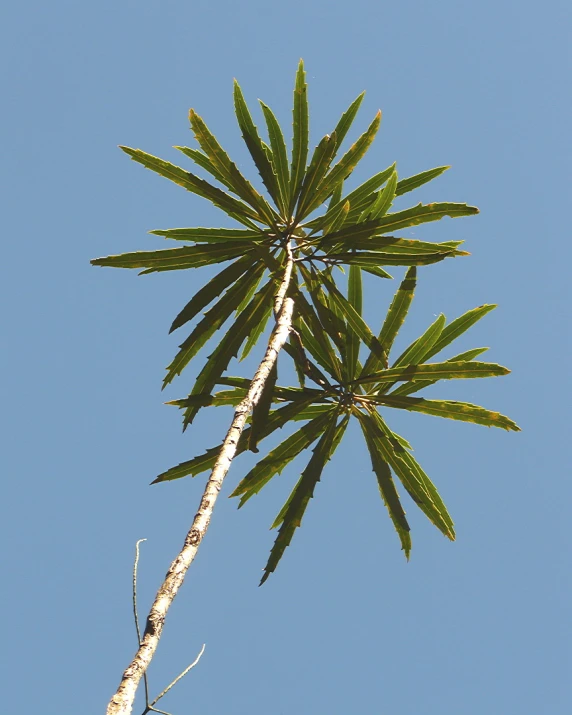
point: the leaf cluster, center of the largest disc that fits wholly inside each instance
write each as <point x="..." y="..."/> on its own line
<point x="307" y="215"/>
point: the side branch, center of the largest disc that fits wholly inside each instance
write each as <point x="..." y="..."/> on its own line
<point x="122" y="701"/>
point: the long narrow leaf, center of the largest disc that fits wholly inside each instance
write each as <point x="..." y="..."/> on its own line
<point x="419" y="486"/>
<point x="436" y="371"/>
<point x="278" y="146"/>
<point x="192" y="183"/>
<point x="355" y="298"/>
<point x="211" y="322"/>
<point x="462" y="411"/>
<point x="215" y="287"/>
<point x="210" y="235"/>
<point x="385" y="483"/>
<point x="303" y="492"/>
<point x="345" y="166"/>
<point x="347" y="118"/>
<point x="172" y="259"/>
<point x="414" y="182"/>
<point x="230" y="344"/>
<point x="319" y="165"/>
<point x="393" y="320"/>
<point x="255" y="144"/>
<point x="300" y="135"/>
<point x="276" y="420"/>
<point x="458" y="327"/>
<point x="220" y="159"/>
<point x="410" y="387"/>
<point x="282" y="455"/>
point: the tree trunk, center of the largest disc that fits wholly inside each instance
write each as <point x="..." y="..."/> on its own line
<point x="122" y="702"/>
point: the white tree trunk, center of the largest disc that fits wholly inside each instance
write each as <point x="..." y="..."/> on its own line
<point x="122" y="702"/>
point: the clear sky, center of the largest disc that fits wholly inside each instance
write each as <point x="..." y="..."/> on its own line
<point x="345" y="625"/>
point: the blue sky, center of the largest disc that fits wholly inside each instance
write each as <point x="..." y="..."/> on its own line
<point x="345" y="625"/>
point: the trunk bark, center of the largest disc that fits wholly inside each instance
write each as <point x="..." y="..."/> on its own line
<point x="122" y="702"/>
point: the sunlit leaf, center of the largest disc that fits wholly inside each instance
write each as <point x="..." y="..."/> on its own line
<point x="210" y="235"/>
<point x="393" y="320"/>
<point x="418" y="485"/>
<point x="458" y="327"/>
<point x="291" y="516"/>
<point x="282" y="455"/>
<point x="344" y="167"/>
<point x="215" y="287"/>
<point x="172" y="259"/>
<point x="211" y="322"/>
<point x="255" y="144"/>
<point x="385" y="483"/>
<point x="414" y="182"/>
<point x="230" y="344"/>
<point x="202" y="463"/>
<point x="436" y="371"/>
<point x="300" y="135"/>
<point x="192" y="183"/>
<point x="462" y="411"/>
<point x="278" y="146"/>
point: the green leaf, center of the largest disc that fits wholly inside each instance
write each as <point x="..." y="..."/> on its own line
<point x="345" y="166"/>
<point x="359" y="198"/>
<point x="410" y="387"/>
<point x="230" y="344"/>
<point x="418" y="485"/>
<point x="205" y="163"/>
<point x="262" y="409"/>
<point x="355" y="299"/>
<point x="423" y="213"/>
<point x="354" y="321"/>
<point x="192" y="467"/>
<point x="437" y="371"/>
<point x="215" y="287"/>
<point x="418" y="351"/>
<point x="223" y="397"/>
<point x="211" y="322"/>
<point x="319" y="165"/>
<point x="282" y="455"/>
<point x="291" y="516"/>
<point x="385" y="483"/>
<point x="414" y="182"/>
<point x="347" y="118"/>
<point x="172" y="259"/>
<point x="334" y="220"/>
<point x="462" y="411"/>
<point x="385" y="198"/>
<point x="368" y="259"/>
<point x="394" y="245"/>
<point x="256" y="332"/>
<point x="220" y="159"/>
<point x="300" y="135"/>
<point x="376" y="271"/>
<point x="235" y="208"/>
<point x="393" y="321"/>
<point x="210" y="235"/>
<point x="458" y="326"/>
<point x="278" y="146"/>
<point x="255" y="145"/>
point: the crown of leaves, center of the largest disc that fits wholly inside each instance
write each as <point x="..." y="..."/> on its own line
<point x="308" y="217"/>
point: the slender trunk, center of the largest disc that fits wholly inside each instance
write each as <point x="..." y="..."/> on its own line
<point x="122" y="702"/>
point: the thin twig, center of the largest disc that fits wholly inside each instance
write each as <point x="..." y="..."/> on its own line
<point x="122" y="702"/>
<point x="182" y="675"/>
